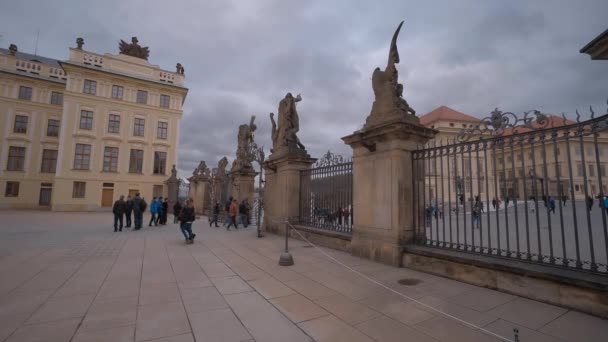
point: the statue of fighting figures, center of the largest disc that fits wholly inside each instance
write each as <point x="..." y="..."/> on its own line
<point x="202" y="170"/>
<point x="221" y="167"/>
<point x="245" y="139"/>
<point x="388" y="91"/>
<point x="284" y="134"/>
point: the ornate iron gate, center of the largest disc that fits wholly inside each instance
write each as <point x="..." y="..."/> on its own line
<point x="326" y="194"/>
<point x="531" y="188"/>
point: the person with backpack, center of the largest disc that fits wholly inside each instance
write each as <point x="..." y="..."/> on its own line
<point x="186" y="217"/>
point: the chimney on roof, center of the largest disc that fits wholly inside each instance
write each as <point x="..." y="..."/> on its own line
<point x="13" y="49"/>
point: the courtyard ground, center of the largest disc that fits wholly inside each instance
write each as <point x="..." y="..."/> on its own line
<point x="69" y="277"/>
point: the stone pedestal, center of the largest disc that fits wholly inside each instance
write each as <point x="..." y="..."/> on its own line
<point x="282" y="189"/>
<point x="383" y="187"/>
<point x="172" y="191"/>
<point x="243" y="184"/>
<point x="199" y="192"/>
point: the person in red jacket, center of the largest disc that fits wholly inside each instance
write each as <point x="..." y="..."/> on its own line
<point x="233" y="211"/>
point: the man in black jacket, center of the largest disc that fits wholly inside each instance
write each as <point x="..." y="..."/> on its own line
<point x="216" y="214"/>
<point x="139" y="206"/>
<point x="128" y="210"/>
<point x="119" y="210"/>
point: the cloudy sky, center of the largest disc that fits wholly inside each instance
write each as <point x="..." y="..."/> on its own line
<point x="242" y="57"/>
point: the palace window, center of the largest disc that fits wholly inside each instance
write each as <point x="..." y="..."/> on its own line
<point x="52" y="128"/>
<point x="90" y="87"/>
<point x="82" y="157"/>
<point x="117" y="92"/>
<point x="16" y="158"/>
<point x="114" y="123"/>
<point x="136" y="161"/>
<point x="579" y="169"/>
<point x="591" y="170"/>
<point x="25" y="93"/>
<point x="110" y="159"/>
<point x="12" y="189"/>
<point x="139" y="127"/>
<point x="160" y="163"/>
<point x="86" y="120"/>
<point x="142" y="97"/>
<point x="161" y="132"/>
<point x="79" y="189"/>
<point x="56" y="98"/>
<point x="164" y="101"/>
<point x="20" y="124"/>
<point x="49" y="161"/>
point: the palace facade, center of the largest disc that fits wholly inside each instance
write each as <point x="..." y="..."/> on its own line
<point x="78" y="133"/>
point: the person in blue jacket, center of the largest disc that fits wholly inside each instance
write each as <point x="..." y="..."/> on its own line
<point x="153" y="212"/>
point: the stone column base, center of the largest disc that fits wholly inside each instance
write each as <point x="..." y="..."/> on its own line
<point x="376" y="248"/>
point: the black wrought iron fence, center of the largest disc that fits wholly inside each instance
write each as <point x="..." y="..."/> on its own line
<point x="532" y="189"/>
<point x="326" y="194"/>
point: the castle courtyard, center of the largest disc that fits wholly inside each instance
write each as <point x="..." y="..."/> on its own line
<point x="69" y="277"/>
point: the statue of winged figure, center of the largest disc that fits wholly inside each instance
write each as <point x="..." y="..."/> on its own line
<point x="388" y="91"/>
<point x="133" y="49"/>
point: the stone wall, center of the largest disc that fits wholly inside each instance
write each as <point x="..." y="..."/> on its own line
<point x="567" y="288"/>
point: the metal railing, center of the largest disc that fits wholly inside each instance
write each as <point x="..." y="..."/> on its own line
<point x="326" y="194"/>
<point x="531" y="189"/>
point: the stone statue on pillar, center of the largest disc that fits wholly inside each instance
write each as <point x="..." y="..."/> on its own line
<point x="389" y="103"/>
<point x="245" y="139"/>
<point x="383" y="156"/>
<point x="199" y="189"/>
<point x="284" y="134"/>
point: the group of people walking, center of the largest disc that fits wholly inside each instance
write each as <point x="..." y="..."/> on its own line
<point x="136" y="206"/>
<point x="235" y="213"/>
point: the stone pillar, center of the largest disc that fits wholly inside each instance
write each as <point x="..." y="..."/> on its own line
<point x="243" y="184"/>
<point x="383" y="187"/>
<point x="172" y="187"/>
<point x="198" y="190"/>
<point x="282" y="189"/>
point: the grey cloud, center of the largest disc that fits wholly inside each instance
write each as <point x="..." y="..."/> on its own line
<point x="242" y="57"/>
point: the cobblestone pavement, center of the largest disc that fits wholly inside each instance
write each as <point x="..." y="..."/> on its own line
<point x="69" y="277"/>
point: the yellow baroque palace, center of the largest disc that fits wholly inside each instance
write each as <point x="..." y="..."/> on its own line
<point x="76" y="134"/>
